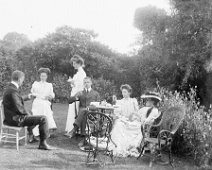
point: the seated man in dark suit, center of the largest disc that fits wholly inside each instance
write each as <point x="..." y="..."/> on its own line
<point x="16" y="115"/>
<point x="85" y="97"/>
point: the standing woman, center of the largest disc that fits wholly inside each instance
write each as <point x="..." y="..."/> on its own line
<point x="43" y="93"/>
<point x="77" y="86"/>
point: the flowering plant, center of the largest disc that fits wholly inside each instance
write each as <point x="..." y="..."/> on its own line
<point x="194" y="137"/>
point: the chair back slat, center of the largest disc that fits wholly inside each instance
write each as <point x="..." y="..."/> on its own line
<point x="99" y="124"/>
<point x="172" y="118"/>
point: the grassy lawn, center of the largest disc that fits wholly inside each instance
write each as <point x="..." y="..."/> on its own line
<point x="68" y="156"/>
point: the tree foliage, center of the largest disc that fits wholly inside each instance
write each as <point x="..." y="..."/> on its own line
<point x="176" y="47"/>
<point x="55" y="50"/>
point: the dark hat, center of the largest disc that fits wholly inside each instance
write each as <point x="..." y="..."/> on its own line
<point x="151" y="95"/>
<point x="44" y="70"/>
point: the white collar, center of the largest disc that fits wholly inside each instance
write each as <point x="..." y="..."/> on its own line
<point x="80" y="69"/>
<point x="89" y="89"/>
<point x="16" y="84"/>
<point x="127" y="98"/>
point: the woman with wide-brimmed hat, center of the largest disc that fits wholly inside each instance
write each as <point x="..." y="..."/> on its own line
<point x="126" y="133"/>
<point x="150" y="112"/>
<point x="43" y="94"/>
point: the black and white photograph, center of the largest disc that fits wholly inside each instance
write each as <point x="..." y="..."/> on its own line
<point x="106" y="85"/>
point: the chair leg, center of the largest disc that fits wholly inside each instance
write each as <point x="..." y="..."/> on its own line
<point x="6" y="136"/>
<point x="112" y="156"/>
<point x="1" y="131"/>
<point x="25" y="130"/>
<point x="170" y="157"/>
<point x="141" y="152"/>
<point x="17" y="141"/>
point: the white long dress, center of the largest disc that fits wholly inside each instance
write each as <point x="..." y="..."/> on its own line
<point x="124" y="131"/>
<point x="78" y="86"/>
<point x="42" y="106"/>
<point x="127" y="134"/>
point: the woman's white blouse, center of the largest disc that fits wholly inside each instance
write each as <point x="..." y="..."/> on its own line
<point x="42" y="89"/>
<point x="127" y="107"/>
<point x="78" y="81"/>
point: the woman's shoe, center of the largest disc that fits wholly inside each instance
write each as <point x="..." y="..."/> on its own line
<point x="72" y="133"/>
<point x="67" y="134"/>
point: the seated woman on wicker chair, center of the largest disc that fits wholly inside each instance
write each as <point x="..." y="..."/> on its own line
<point x="149" y="113"/>
<point x="126" y="133"/>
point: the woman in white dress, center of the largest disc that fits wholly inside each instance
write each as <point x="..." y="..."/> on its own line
<point x="77" y="86"/>
<point x="122" y="132"/>
<point x="126" y="133"/>
<point x="43" y="93"/>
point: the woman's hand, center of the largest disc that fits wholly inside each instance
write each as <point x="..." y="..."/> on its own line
<point x="133" y="117"/>
<point x="149" y="121"/>
<point x="114" y="116"/>
<point x="130" y="118"/>
<point x="50" y="97"/>
<point x="71" y="81"/>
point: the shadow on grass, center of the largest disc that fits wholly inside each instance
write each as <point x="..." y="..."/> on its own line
<point x="65" y="161"/>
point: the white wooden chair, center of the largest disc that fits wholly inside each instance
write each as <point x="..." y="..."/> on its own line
<point x="6" y="136"/>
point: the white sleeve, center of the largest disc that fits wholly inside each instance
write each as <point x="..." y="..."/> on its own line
<point x="135" y="103"/>
<point x="118" y="110"/>
<point x="118" y="102"/>
<point x="153" y="115"/>
<point x="142" y="114"/>
<point x="33" y="89"/>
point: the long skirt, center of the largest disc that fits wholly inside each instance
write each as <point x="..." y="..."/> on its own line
<point x="127" y="137"/>
<point x="43" y="107"/>
<point x="71" y="116"/>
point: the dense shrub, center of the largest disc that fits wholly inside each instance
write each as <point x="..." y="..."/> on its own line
<point x="61" y="87"/>
<point x="194" y="136"/>
<point x="5" y="72"/>
<point x="105" y="88"/>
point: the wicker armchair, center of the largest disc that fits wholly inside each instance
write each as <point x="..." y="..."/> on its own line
<point x="169" y="124"/>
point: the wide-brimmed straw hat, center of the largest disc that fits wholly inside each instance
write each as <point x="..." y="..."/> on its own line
<point x="151" y="95"/>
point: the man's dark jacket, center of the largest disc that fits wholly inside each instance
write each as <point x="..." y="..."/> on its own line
<point x="85" y="98"/>
<point x="14" y="109"/>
